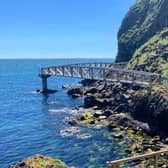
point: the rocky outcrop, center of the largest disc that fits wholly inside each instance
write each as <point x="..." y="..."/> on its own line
<point x="39" y="161"/>
<point x="75" y="92"/>
<point x="149" y="105"/>
<point x="144" y="19"/>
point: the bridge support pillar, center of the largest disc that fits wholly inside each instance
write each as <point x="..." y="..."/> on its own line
<point x="44" y="84"/>
<point x="45" y="89"/>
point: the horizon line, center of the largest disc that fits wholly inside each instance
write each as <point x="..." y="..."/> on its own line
<point x="58" y="58"/>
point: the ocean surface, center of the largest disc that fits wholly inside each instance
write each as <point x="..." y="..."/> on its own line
<point x="30" y="123"/>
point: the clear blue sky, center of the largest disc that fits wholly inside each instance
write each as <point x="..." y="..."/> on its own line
<point x="60" y="28"/>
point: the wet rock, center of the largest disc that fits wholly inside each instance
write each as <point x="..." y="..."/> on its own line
<point x="107" y="95"/>
<point x="102" y="117"/>
<point x="101" y="87"/>
<point x="75" y="92"/>
<point x="91" y="101"/>
<point x="118" y="135"/>
<point x="83" y="136"/>
<point x="91" y="90"/>
<point x="76" y="95"/>
<point x="116" y="129"/>
<point x="88" y="82"/>
<point x="108" y="113"/>
<point x="72" y="122"/>
<point x="80" y="117"/>
<point x="38" y="90"/>
<point x="112" y="126"/>
<point x="97" y="114"/>
<point x="69" y="131"/>
<point x="136" y="87"/>
<point x="97" y="126"/>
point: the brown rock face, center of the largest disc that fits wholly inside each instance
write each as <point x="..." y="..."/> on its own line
<point x="144" y="19"/>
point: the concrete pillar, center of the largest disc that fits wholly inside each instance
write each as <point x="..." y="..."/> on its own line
<point x="44" y="84"/>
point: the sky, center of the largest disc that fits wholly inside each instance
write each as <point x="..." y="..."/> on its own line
<point x="60" y="28"/>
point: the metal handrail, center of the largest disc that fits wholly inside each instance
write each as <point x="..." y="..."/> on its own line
<point x="155" y="155"/>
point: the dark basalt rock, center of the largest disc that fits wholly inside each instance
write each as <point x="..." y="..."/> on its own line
<point x="91" y="101"/>
<point x="88" y="82"/>
<point x="91" y="90"/>
<point x="76" y="96"/>
<point x="75" y="92"/>
<point x="38" y="90"/>
<point x="72" y="122"/>
<point x="108" y="113"/>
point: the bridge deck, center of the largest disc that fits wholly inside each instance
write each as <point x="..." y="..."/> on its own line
<point x="102" y="71"/>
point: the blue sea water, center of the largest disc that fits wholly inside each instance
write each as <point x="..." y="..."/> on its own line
<point x="30" y="125"/>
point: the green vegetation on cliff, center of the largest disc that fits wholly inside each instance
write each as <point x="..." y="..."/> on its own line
<point x="153" y="55"/>
<point x="144" y="19"/>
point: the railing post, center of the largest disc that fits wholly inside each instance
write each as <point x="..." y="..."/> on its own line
<point x="81" y="72"/>
<point x="63" y="71"/>
<point x="71" y="71"/>
<point x="104" y="75"/>
<point x="91" y="73"/>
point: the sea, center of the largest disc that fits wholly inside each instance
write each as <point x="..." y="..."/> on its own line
<point x="31" y="123"/>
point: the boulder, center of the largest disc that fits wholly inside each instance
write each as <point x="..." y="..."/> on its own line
<point x="118" y="135"/>
<point x="91" y="101"/>
<point x="72" y="122"/>
<point x="76" y="96"/>
<point x="91" y="90"/>
<point x="75" y="92"/>
<point x="97" y="114"/>
<point x="39" y="161"/>
<point x="108" y="113"/>
<point x="88" y="82"/>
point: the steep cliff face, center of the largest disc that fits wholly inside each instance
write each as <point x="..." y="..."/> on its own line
<point x="143" y="20"/>
<point x="153" y="55"/>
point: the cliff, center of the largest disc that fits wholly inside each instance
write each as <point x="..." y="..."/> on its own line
<point x="143" y="20"/>
<point x="153" y="55"/>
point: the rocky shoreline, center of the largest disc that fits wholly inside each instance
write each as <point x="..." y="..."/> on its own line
<point x="130" y="111"/>
<point x="146" y="105"/>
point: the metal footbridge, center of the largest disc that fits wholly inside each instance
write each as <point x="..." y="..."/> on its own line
<point x="115" y="72"/>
